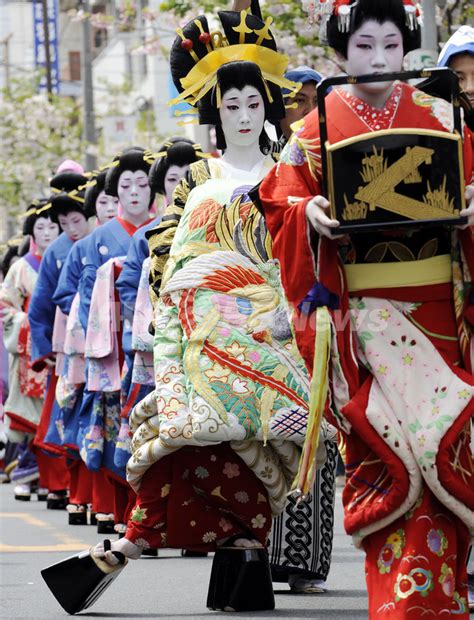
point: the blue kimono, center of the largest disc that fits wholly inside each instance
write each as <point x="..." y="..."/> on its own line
<point x="71" y="274"/>
<point x="109" y="241"/>
<point x="42" y="309"/>
<point x="69" y="416"/>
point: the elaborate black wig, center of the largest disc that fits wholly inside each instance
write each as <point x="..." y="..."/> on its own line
<point x="131" y="159"/>
<point x="68" y="195"/>
<point x="178" y="152"/>
<point x="236" y="74"/>
<point x="381" y="11"/>
<point x="92" y="193"/>
<point x="31" y="219"/>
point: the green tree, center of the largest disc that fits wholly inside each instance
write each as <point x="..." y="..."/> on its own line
<point x="36" y="134"/>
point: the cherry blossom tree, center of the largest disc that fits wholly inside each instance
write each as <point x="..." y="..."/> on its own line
<point x="36" y="133"/>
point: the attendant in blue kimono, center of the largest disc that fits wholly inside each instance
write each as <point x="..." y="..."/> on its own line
<point x="67" y="211"/>
<point x="128" y="181"/>
<point x="170" y="166"/>
<point x="89" y="487"/>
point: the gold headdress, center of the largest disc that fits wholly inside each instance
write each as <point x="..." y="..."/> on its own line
<point x="197" y="54"/>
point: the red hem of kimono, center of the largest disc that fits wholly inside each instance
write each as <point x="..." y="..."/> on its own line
<point x="20" y="424"/>
<point x="449" y="477"/>
<point x="43" y="425"/>
<point x="130" y="400"/>
<point x="354" y="411"/>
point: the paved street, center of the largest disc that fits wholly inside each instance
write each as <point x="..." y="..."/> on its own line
<point x="32" y="537"/>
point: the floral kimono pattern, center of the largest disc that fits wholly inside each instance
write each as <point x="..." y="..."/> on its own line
<point x="226" y="366"/>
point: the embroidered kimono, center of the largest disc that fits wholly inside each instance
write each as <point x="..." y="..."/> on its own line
<point x="108" y="241"/>
<point x="100" y="413"/>
<point x="226" y="368"/>
<point x="129" y="278"/>
<point x="138" y="380"/>
<point x="398" y="339"/>
<point x="41" y="311"/>
<point x="69" y="391"/>
<point x="26" y="386"/>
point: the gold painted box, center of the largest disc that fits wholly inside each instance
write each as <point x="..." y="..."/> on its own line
<point x="396" y="178"/>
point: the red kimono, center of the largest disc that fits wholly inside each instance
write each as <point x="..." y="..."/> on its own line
<point x="409" y="498"/>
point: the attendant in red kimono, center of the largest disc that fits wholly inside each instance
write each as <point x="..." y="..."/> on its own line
<point x="26" y="386"/>
<point x="400" y="390"/>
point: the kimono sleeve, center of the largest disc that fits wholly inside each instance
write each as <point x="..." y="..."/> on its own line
<point x="12" y="299"/>
<point x="284" y="193"/>
<point x="41" y="311"/>
<point x="69" y="279"/>
<point x="87" y="281"/>
<point x="161" y="237"/>
<point x="128" y="281"/>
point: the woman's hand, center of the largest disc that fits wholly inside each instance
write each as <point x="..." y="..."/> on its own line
<point x="316" y="210"/>
<point x="469" y="211"/>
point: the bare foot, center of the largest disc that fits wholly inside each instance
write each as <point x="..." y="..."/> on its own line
<point x="129" y="550"/>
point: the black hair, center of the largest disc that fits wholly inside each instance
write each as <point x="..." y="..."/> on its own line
<point x="30" y="220"/>
<point x="179" y="152"/>
<point x="7" y="258"/>
<point x="64" y="183"/>
<point x="131" y="159"/>
<point x="92" y="193"/>
<point x="63" y="204"/>
<point x="381" y="11"/>
<point x="239" y="74"/>
<point x="236" y="74"/>
<point x="67" y="181"/>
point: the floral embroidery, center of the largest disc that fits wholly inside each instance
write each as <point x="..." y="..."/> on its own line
<point x="209" y="537"/>
<point x="242" y="497"/>
<point x="392" y="549"/>
<point x="225" y="525"/>
<point x="374" y="118"/>
<point x="141" y="542"/>
<point x="437" y="542"/>
<point x="446" y="579"/>
<point x="231" y="470"/>
<point x="258" y="522"/>
<point x="165" y="490"/>
<point x="138" y="514"/>
<point x="201" y="472"/>
<point x="217" y="373"/>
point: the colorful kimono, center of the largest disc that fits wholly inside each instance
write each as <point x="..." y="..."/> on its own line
<point x="108" y="241"/>
<point x="26" y="386"/>
<point x="228" y="378"/>
<point x="398" y="340"/>
<point x="41" y="311"/>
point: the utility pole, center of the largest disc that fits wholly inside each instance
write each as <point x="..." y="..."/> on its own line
<point x="47" y="49"/>
<point x="88" y="92"/>
<point x="429" y="32"/>
<point x="6" y="58"/>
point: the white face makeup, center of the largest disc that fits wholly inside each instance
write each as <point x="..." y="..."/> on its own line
<point x="173" y="176"/>
<point x="242" y="115"/>
<point x="106" y="207"/>
<point x="374" y="48"/>
<point x="134" y="194"/>
<point x="74" y="224"/>
<point x="44" y="232"/>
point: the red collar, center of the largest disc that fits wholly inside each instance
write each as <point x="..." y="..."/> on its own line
<point x="130" y="228"/>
